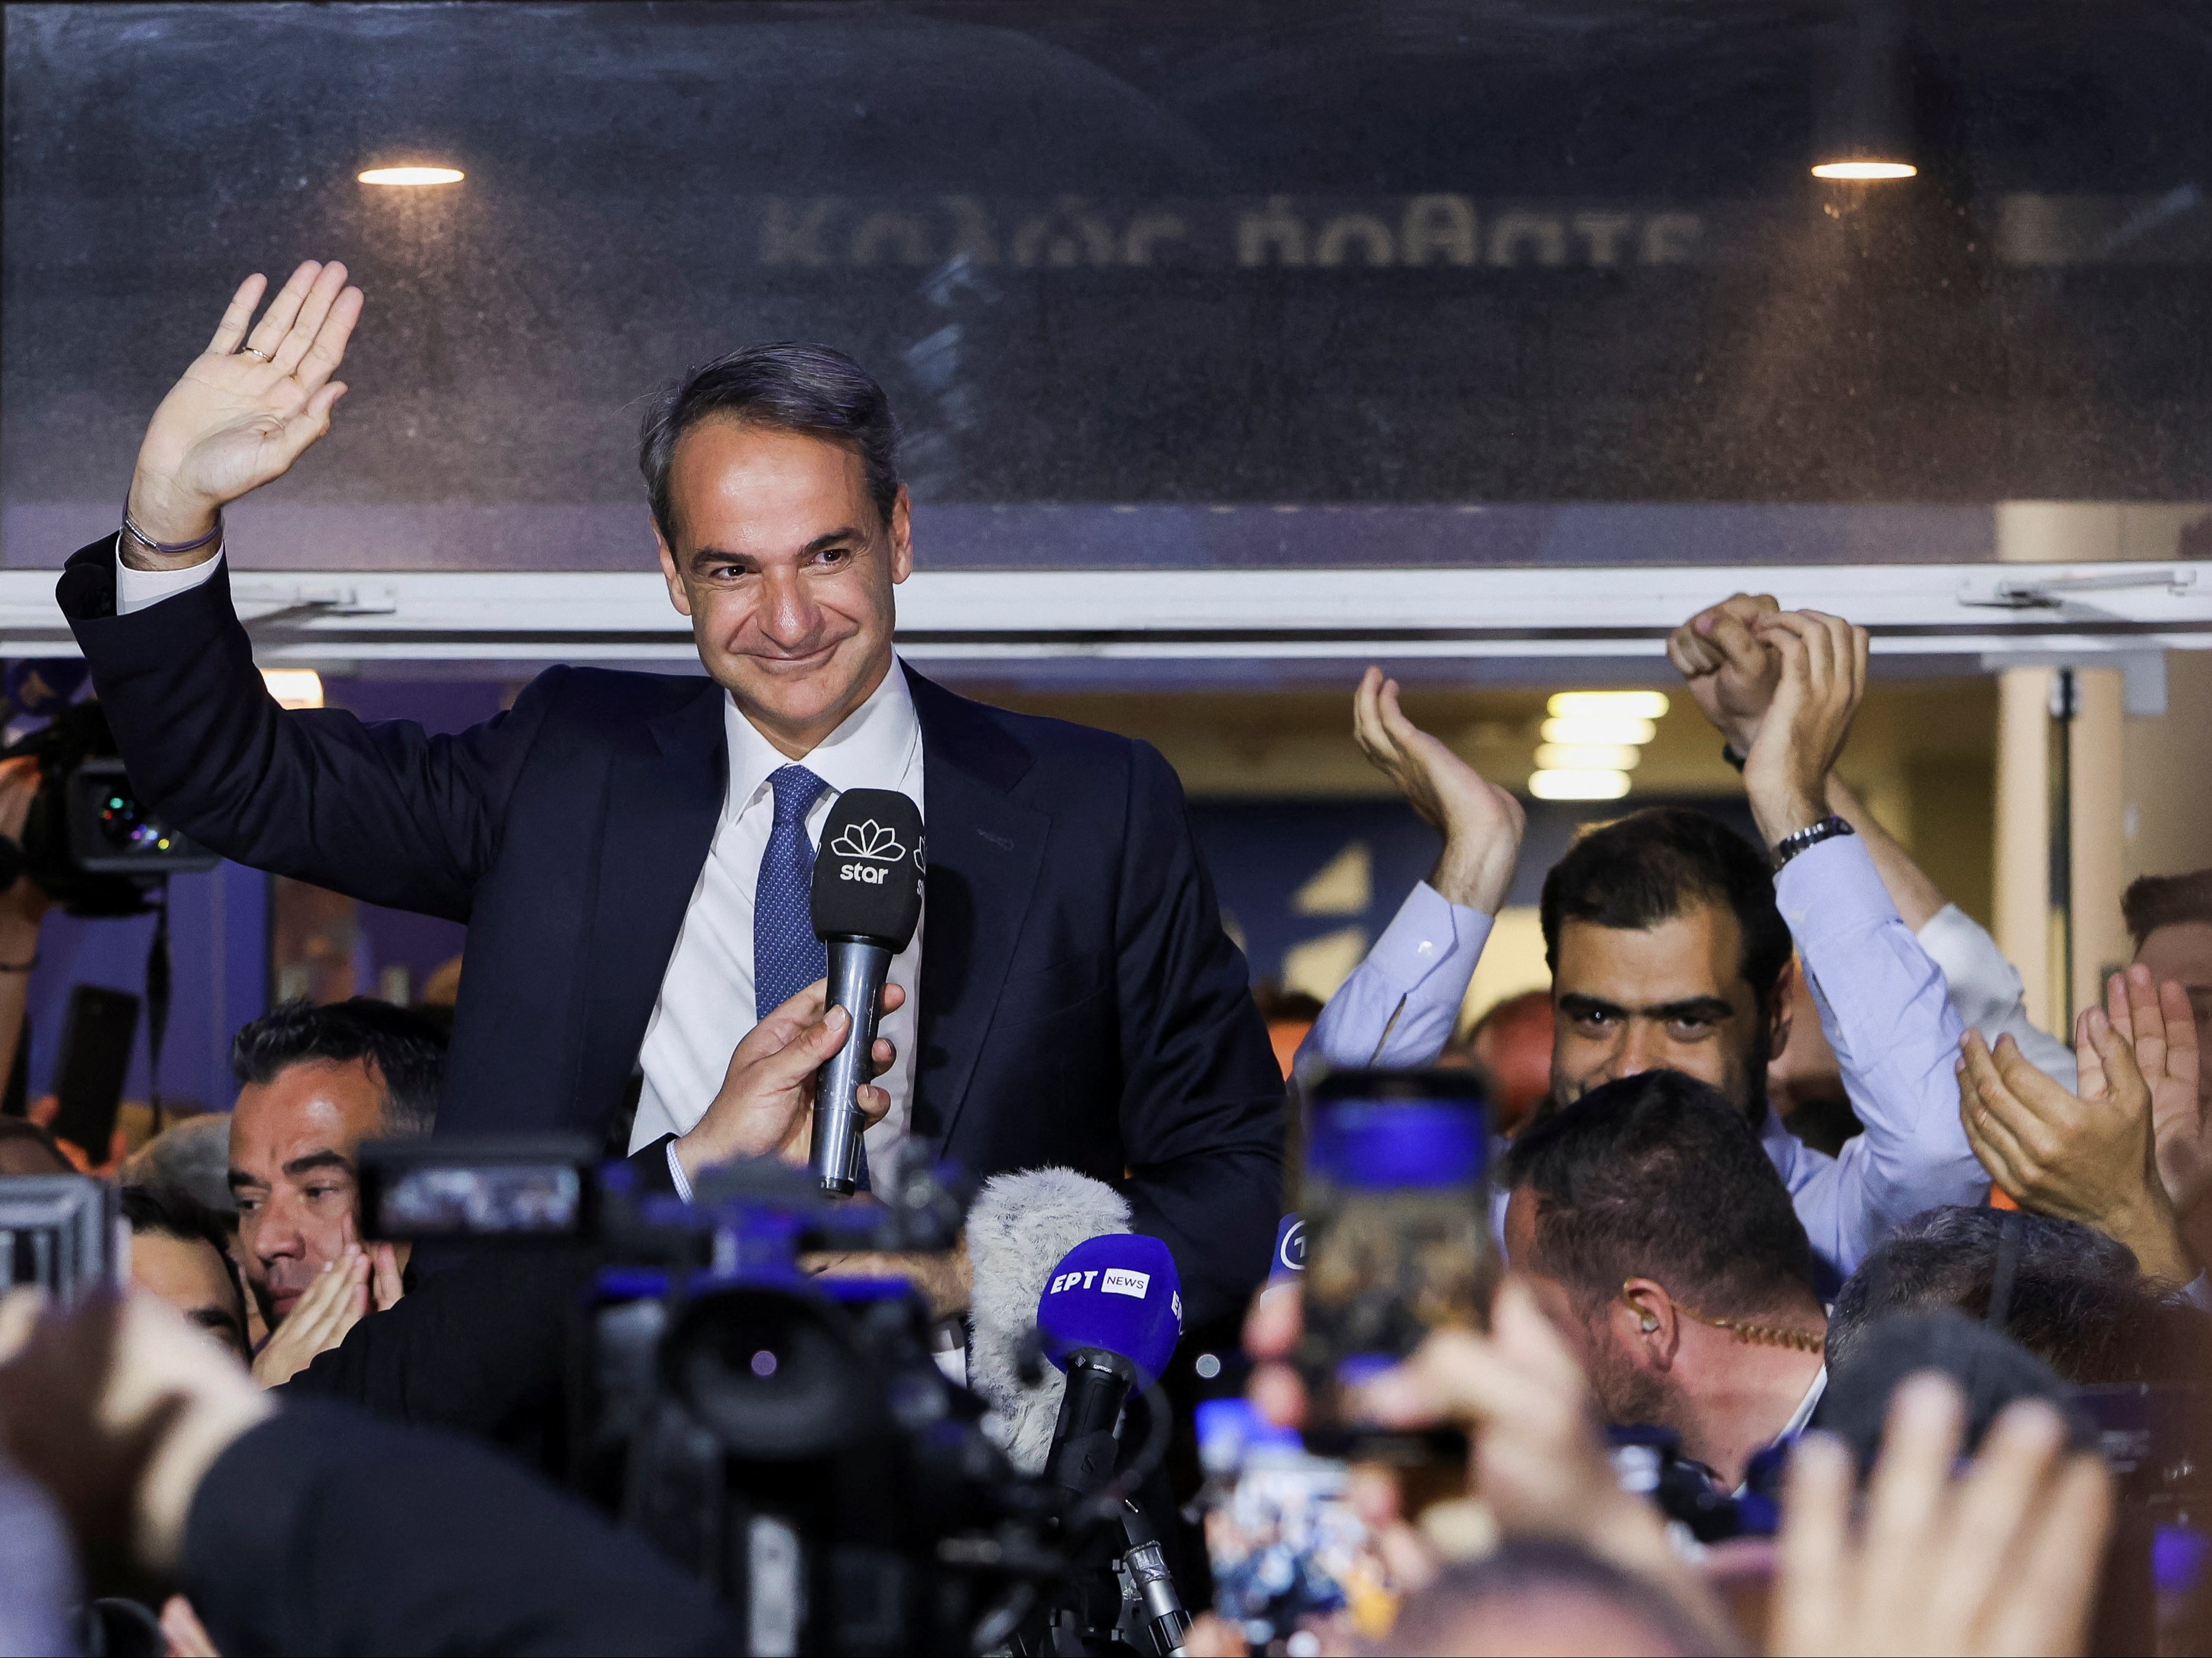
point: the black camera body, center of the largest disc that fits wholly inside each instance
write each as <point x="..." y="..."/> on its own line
<point x="90" y="843"/>
<point x="788" y="1437"/>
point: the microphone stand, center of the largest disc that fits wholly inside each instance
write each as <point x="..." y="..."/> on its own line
<point x="1138" y="1587"/>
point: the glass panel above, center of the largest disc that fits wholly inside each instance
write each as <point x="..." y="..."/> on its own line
<point x="1461" y="282"/>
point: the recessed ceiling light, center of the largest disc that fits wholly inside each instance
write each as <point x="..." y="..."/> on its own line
<point x="413" y="175"/>
<point x="1587" y="756"/>
<point x="1599" y="728"/>
<point x="1578" y="785"/>
<point x="1613" y="704"/>
<point x="1865" y="170"/>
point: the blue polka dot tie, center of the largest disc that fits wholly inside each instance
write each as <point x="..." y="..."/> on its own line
<point x="786" y="956"/>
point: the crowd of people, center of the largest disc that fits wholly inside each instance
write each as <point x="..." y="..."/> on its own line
<point x="1677" y="1259"/>
<point x="290" y="1436"/>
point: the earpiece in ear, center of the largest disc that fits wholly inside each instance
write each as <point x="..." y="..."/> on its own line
<point x="1650" y="1324"/>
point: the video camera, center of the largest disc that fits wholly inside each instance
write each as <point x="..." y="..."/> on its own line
<point x="91" y="843"/>
<point x="789" y="1437"/>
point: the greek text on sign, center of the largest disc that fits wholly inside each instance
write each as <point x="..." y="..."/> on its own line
<point x="1121" y="1282"/>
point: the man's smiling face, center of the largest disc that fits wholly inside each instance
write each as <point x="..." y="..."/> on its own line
<point x="785" y="566"/>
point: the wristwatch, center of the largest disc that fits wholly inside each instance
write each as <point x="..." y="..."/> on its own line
<point x="1811" y="835"/>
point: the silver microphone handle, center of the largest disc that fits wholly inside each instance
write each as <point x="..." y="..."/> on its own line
<point x="857" y="973"/>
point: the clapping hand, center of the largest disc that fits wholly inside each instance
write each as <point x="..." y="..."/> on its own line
<point x="1480" y="822"/>
<point x="2090" y="1156"/>
<point x="1823" y="675"/>
<point x="2161" y="1027"/>
<point x="247" y="409"/>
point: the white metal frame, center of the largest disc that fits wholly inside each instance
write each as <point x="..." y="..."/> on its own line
<point x="2084" y="612"/>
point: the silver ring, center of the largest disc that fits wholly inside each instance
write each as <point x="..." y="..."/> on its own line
<point x="255" y="350"/>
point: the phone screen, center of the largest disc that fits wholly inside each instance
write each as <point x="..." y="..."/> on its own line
<point x="1295" y="1567"/>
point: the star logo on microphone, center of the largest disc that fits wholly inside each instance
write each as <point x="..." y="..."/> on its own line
<point x="869" y="839"/>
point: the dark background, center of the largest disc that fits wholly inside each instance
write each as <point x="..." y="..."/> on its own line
<point x="2032" y="317"/>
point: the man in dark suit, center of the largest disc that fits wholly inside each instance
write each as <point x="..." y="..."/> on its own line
<point x="630" y="851"/>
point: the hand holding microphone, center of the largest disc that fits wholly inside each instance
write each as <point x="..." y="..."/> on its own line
<point x="765" y="1107"/>
<point x="867" y="904"/>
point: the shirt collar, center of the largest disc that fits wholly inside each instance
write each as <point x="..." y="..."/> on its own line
<point x="872" y="748"/>
<point x="1806" y="1406"/>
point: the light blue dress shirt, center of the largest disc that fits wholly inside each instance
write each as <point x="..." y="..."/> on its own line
<point x="1883" y="1004"/>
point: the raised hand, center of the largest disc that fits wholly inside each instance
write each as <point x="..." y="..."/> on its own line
<point x="1730" y="672"/>
<point x="2003" y="1557"/>
<point x="765" y="1107"/>
<point x="1823" y="676"/>
<point x="1481" y="823"/>
<point x="2087" y="1157"/>
<point x="2161" y="1027"/>
<point x="247" y="409"/>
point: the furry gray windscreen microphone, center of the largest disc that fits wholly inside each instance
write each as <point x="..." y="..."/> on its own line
<point x="1018" y="1228"/>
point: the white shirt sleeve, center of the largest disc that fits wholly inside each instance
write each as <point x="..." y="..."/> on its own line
<point x="1986" y="991"/>
<point x="675" y="1174"/>
<point x="142" y="589"/>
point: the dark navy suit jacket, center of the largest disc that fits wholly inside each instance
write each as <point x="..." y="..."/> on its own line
<point x="1080" y="1004"/>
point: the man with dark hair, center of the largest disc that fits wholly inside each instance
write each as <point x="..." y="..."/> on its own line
<point x="2072" y="1296"/>
<point x="180" y="1251"/>
<point x="1659" y="1238"/>
<point x="1671" y="885"/>
<point x="631" y="851"/>
<point x="1670" y="944"/>
<point x="313" y="1083"/>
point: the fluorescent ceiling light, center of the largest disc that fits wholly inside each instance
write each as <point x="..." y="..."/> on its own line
<point x="1865" y="170"/>
<point x="412" y="175"/>
<point x="294" y="687"/>
<point x="1599" y="728"/>
<point x="1587" y="756"/>
<point x="1615" y="704"/>
<point x="1578" y="785"/>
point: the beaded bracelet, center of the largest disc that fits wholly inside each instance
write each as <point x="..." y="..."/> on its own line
<point x="168" y="549"/>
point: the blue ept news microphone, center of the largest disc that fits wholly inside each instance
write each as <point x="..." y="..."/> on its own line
<point x="1110" y="1316"/>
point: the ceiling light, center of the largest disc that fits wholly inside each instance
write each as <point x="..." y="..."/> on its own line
<point x="1863" y="127"/>
<point x="1587" y="756"/>
<point x="294" y="687"/>
<point x="1599" y="728"/>
<point x="1578" y="785"/>
<point x="1864" y="170"/>
<point x="412" y="175"/>
<point x="1613" y="704"/>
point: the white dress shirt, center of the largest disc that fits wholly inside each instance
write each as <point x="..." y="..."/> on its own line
<point x="706" y="1004"/>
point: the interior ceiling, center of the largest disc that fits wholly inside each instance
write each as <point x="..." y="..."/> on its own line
<point x="2030" y="319"/>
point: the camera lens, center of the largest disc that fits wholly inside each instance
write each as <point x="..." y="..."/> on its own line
<point x="125" y="825"/>
<point x="773" y="1375"/>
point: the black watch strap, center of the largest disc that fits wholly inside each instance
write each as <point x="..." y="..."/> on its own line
<point x="1811" y="835"/>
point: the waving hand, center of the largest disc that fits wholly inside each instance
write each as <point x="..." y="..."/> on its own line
<point x="246" y="410"/>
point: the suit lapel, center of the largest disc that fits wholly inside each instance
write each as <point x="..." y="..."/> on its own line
<point x="985" y="851"/>
<point x="663" y="801"/>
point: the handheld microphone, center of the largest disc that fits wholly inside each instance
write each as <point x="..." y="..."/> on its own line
<point x="866" y="903"/>
<point x="1109" y="1318"/>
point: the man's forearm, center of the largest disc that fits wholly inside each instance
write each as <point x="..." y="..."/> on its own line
<point x="1399" y="1005"/>
<point x="1918" y="898"/>
<point x="1887" y="1015"/>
